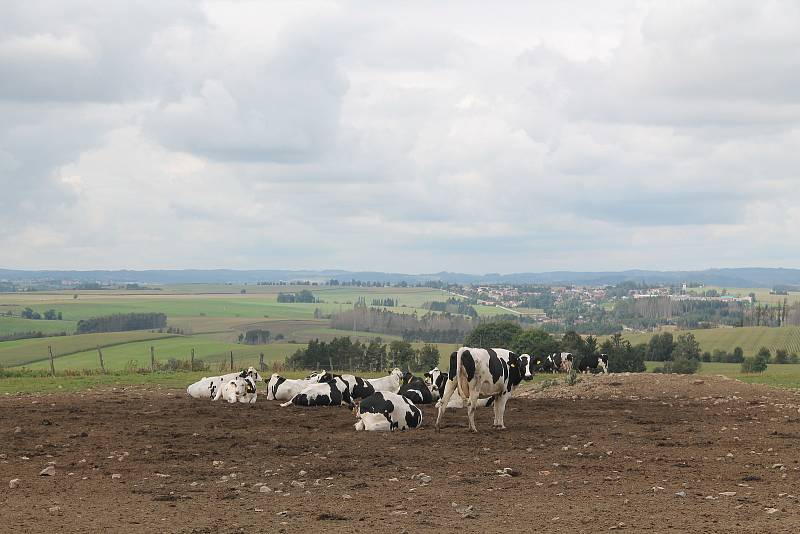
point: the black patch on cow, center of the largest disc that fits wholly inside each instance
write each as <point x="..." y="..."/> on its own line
<point x="515" y="371"/>
<point x="495" y="367"/>
<point x="251" y="387"/>
<point x="280" y="380"/>
<point x="441" y="383"/>
<point x="376" y="403"/>
<point x="413" y="416"/>
<point x="468" y="363"/>
<point x="361" y="389"/>
<point x="490" y="402"/>
<point x="417" y="390"/>
<point x="453" y="366"/>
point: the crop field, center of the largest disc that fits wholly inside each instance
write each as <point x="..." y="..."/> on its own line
<point x="750" y="338"/>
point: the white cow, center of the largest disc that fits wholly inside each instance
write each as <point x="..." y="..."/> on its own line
<point x="239" y="389"/>
<point x="283" y="389"/>
<point x="207" y="387"/>
<point x="488" y="372"/>
<point x="390" y="383"/>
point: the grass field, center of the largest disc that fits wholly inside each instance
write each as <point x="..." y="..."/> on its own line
<point x="10" y="325"/>
<point x="785" y="375"/>
<point x="762" y="294"/>
<point x="21" y="352"/>
<point x="750" y="338"/>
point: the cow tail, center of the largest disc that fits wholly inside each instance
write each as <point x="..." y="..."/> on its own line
<point x="462" y="384"/>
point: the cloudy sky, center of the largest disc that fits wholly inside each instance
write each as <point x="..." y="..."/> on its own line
<point x="400" y="136"/>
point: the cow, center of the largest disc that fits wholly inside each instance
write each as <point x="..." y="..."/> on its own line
<point x="283" y="389"/>
<point x="540" y="364"/>
<point x="438" y="382"/>
<point x="387" y="411"/>
<point x="390" y="383"/>
<point x="240" y="389"/>
<point x="330" y="391"/>
<point x="488" y="372"/>
<point x="594" y="363"/>
<point x="566" y="362"/>
<point x="358" y="387"/>
<point x="207" y="387"/>
<point x="415" y="389"/>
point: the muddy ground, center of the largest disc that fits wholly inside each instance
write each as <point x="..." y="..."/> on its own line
<point x="634" y="453"/>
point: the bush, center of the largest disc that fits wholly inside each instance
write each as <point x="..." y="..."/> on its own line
<point x="754" y="365"/>
<point x="781" y="356"/>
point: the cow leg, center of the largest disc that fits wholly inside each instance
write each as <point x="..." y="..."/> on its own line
<point x="449" y="389"/>
<point x="471" y="407"/>
<point x="497" y="422"/>
<point x="500" y="408"/>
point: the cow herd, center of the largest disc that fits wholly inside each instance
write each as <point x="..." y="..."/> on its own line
<point x="476" y="378"/>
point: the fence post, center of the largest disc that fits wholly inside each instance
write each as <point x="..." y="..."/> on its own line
<point x="52" y="366"/>
<point x="152" y="359"/>
<point x="102" y="364"/>
<point x="191" y="361"/>
<point x="231" y="360"/>
<point x="261" y="364"/>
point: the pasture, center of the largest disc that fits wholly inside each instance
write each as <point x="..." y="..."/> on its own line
<point x="640" y="453"/>
<point x="750" y="338"/>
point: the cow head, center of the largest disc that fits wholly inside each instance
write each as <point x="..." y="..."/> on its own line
<point x="398" y="373"/>
<point x="323" y="377"/>
<point x="431" y="376"/>
<point x="526" y="369"/>
<point x="408" y="377"/>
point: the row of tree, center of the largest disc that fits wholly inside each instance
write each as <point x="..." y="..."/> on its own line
<point x="48" y="315"/>
<point x="452" y="305"/>
<point x="121" y="322"/>
<point x="343" y="354"/>
<point x="431" y="327"/>
<point x="300" y="296"/>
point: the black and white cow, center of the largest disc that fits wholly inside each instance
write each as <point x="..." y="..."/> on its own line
<point x="594" y="364"/>
<point x="415" y="389"/>
<point x="283" y="389"/>
<point x="330" y="391"/>
<point x="208" y="386"/>
<point x="488" y="372"/>
<point x="240" y="389"/>
<point x="358" y="387"/>
<point x="390" y="383"/>
<point x="541" y="364"/>
<point x="438" y="381"/>
<point x="387" y="411"/>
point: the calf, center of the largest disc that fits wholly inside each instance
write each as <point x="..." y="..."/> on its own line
<point x="330" y="391"/>
<point x="415" y="389"/>
<point x="207" y="387"/>
<point x="240" y="389"/>
<point x="387" y="411"/>
<point x="488" y="372"/>
<point x="594" y="363"/>
<point x="283" y="389"/>
<point x="389" y="383"/>
<point x="438" y="382"/>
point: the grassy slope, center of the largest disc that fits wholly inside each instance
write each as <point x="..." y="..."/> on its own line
<point x="9" y="325"/>
<point x="787" y="376"/>
<point x="749" y="338"/>
<point x="14" y="353"/>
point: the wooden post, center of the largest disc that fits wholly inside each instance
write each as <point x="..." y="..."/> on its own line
<point x="52" y="366"/>
<point x="191" y="360"/>
<point x="261" y="365"/>
<point x="102" y="364"/>
<point x="152" y="359"/>
<point x="231" y="360"/>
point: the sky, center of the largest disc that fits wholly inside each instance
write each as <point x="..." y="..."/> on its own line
<point x="399" y="136"/>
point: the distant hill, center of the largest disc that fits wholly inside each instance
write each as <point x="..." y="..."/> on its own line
<point x="732" y="278"/>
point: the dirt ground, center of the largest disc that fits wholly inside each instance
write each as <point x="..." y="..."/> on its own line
<point x="620" y="452"/>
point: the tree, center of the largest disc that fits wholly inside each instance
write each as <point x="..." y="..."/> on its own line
<point x="781" y="356"/>
<point x="499" y="334"/>
<point x="738" y="355"/>
<point x="427" y="358"/>
<point x="572" y="342"/>
<point x="686" y="347"/>
<point x="401" y="354"/>
<point x="50" y="315"/>
<point x="755" y="364"/>
<point x="622" y="357"/>
<point x="535" y="342"/>
<point x="764" y="354"/>
<point x="660" y="347"/>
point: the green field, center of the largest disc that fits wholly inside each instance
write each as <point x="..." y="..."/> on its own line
<point x="762" y="294"/>
<point x="750" y="338"/>
<point x="785" y="375"/>
<point x="24" y="351"/>
<point x="9" y="325"/>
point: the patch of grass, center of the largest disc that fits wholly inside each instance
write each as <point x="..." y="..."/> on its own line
<point x="783" y="375"/>
<point x="9" y="325"/>
<point x="750" y="338"/>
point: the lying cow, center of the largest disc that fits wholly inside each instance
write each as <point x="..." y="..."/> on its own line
<point x="331" y="391"/>
<point x="415" y="389"/>
<point x="358" y="387"/>
<point x="439" y="381"/>
<point x="283" y="389"/>
<point x="390" y="383"/>
<point x="207" y="387"/>
<point x="385" y="411"/>
<point x="593" y="364"/>
<point x="240" y="389"/>
<point x="488" y="372"/>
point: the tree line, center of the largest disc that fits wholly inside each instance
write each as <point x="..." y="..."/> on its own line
<point x="121" y="322"/>
<point x="300" y="296"/>
<point x="343" y="354"/>
<point x="430" y="328"/>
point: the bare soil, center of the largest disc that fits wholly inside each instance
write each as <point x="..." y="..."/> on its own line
<point x="619" y="452"/>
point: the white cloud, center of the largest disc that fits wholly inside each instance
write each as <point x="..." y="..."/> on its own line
<point x="403" y="137"/>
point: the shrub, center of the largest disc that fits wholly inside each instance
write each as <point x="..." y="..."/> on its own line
<point x="754" y="364"/>
<point x="681" y="366"/>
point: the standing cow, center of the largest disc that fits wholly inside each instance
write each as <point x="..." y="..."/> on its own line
<point x="489" y="372"/>
<point x="438" y="381"/>
<point x="594" y="363"/>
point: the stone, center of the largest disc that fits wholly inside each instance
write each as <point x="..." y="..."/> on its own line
<point x="13" y="483"/>
<point x="116" y="476"/>
<point x="48" y="471"/>
<point x="265" y="489"/>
